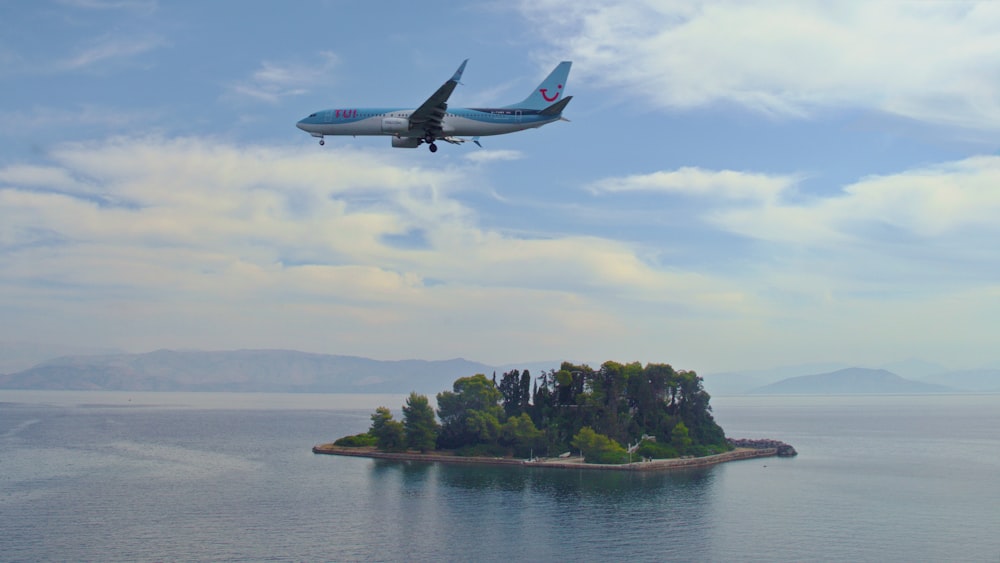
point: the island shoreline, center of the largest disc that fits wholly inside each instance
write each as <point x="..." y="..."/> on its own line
<point x="552" y="463"/>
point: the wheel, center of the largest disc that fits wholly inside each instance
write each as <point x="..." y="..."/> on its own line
<point x="322" y="142"/>
<point x="433" y="147"/>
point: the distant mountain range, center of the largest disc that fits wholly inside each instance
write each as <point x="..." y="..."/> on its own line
<point x="849" y="381"/>
<point x="837" y="379"/>
<point x="292" y="371"/>
<point x="17" y="356"/>
<point x="242" y="370"/>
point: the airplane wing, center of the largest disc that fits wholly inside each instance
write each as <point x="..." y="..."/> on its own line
<point x="429" y="115"/>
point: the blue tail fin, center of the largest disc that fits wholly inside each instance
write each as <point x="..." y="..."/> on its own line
<point x="549" y="91"/>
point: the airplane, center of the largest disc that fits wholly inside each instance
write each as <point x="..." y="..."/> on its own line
<point x="433" y="121"/>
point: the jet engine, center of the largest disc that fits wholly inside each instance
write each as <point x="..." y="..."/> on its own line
<point x="406" y="142"/>
<point x="395" y="125"/>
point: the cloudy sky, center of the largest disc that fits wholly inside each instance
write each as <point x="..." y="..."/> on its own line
<point x="742" y="184"/>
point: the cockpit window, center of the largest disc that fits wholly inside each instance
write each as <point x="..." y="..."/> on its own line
<point x="312" y="115"/>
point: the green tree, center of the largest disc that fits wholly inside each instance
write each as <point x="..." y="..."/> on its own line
<point x="389" y="433"/>
<point x="619" y="402"/>
<point x="598" y="448"/>
<point x="419" y="423"/>
<point x="469" y="395"/>
<point x="609" y="403"/>
<point x="520" y="434"/>
<point x="647" y="398"/>
<point x="694" y="410"/>
<point x="680" y="438"/>
<point x="510" y="390"/>
<point x="483" y="426"/>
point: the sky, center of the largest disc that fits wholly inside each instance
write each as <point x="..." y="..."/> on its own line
<point x="741" y="185"/>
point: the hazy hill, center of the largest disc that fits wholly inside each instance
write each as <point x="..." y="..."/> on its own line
<point x="977" y="380"/>
<point x="849" y="381"/>
<point x="915" y="369"/>
<point x="740" y="382"/>
<point x="17" y="356"/>
<point x="746" y="381"/>
<point x="242" y="370"/>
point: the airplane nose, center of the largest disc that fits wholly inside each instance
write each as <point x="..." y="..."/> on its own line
<point x="301" y="125"/>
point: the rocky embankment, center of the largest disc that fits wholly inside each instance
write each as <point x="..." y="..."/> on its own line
<point x="574" y="462"/>
<point x="783" y="449"/>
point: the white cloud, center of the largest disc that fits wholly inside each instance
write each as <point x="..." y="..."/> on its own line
<point x="694" y="181"/>
<point x="205" y="234"/>
<point x="904" y="262"/>
<point x="276" y="80"/>
<point x="935" y="202"/>
<point x="33" y="176"/>
<point x="110" y="48"/>
<point x="896" y="265"/>
<point x="487" y="155"/>
<point x="932" y="61"/>
<point x="152" y="242"/>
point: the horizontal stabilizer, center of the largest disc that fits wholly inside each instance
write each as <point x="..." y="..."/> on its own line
<point x="556" y="108"/>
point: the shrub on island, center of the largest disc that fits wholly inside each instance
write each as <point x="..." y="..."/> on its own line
<point x="598" y="448"/>
<point x="356" y="441"/>
<point x="656" y="450"/>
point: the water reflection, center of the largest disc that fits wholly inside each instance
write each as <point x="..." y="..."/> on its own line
<point x="600" y="514"/>
<point x="558" y="485"/>
<point x="405" y="468"/>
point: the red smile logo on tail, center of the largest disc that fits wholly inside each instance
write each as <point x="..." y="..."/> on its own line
<point x="544" y="92"/>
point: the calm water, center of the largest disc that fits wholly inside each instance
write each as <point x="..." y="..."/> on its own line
<point x="163" y="476"/>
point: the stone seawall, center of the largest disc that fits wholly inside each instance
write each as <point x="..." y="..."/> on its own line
<point x="783" y="449"/>
<point x="557" y="463"/>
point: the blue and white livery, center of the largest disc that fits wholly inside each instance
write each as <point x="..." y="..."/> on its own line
<point x="433" y="121"/>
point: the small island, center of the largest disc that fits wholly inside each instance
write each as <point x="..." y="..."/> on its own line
<point x="619" y="416"/>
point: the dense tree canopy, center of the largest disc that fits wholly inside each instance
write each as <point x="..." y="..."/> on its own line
<point x="470" y="413"/>
<point x="662" y="412"/>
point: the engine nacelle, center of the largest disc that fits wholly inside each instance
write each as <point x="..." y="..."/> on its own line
<point x="406" y="142"/>
<point x="395" y="125"/>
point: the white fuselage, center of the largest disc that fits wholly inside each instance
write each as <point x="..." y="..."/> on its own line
<point x="460" y="122"/>
<point x="435" y="120"/>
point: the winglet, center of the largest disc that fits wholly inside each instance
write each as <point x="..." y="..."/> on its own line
<point x="458" y="73"/>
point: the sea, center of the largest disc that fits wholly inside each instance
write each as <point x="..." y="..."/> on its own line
<point x="118" y="476"/>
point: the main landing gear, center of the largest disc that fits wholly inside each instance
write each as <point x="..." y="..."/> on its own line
<point x="433" y="147"/>
<point x="429" y="139"/>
